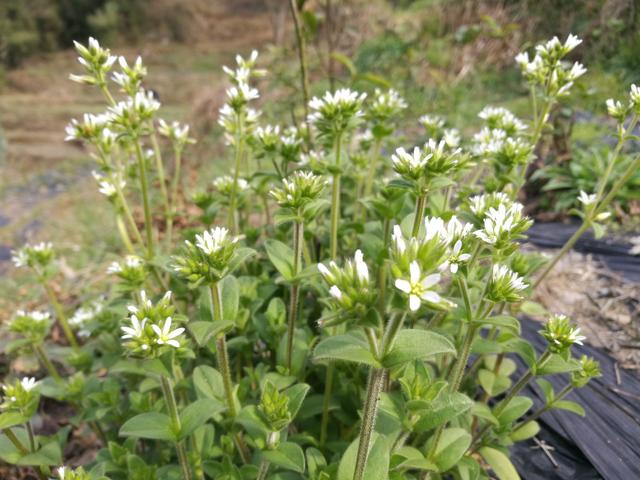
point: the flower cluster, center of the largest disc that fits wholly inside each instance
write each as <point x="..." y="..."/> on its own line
<point x="274" y="407"/>
<point x="620" y="111"/>
<point x="209" y="258"/>
<point x="561" y="334"/>
<point x="130" y="77"/>
<point x="547" y="70"/>
<point x="297" y="191"/>
<point x="505" y="285"/>
<point x="350" y="288"/>
<point x="38" y="256"/>
<point x="66" y="473"/>
<point x="131" y="271"/>
<point x="336" y="113"/>
<point x="33" y="325"/>
<point x="109" y="186"/>
<point x="589" y="368"/>
<point x="177" y="133"/>
<point x="423" y="165"/>
<point x="21" y="396"/>
<point x="225" y="185"/>
<point x="84" y="315"/>
<point x="96" y="60"/>
<point x="503" y="225"/>
<point x="149" y="328"/>
<point x="498" y="118"/>
<point x="385" y="108"/>
<point x="430" y="248"/>
<point x="129" y="116"/>
<point x="236" y="117"/>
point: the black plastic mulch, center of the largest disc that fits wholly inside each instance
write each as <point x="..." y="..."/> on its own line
<point x="603" y="444"/>
<point x="614" y="253"/>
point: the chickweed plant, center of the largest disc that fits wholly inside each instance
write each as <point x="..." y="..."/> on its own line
<point x="345" y="307"/>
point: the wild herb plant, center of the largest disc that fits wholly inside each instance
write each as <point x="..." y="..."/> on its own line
<point x="337" y="312"/>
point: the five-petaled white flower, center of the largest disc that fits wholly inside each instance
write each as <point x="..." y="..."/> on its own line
<point x="165" y="335"/>
<point x="417" y="287"/>
<point x="136" y="330"/>
<point x="28" y="383"/>
<point x="587" y="199"/>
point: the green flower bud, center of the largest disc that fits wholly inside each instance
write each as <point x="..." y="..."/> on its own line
<point x="561" y="334"/>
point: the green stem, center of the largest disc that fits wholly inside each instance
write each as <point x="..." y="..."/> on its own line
<point x="421" y="203"/>
<point x="46" y="362"/>
<point x="233" y="204"/>
<point x="262" y="472"/>
<point x="172" y="407"/>
<point x="370" y="409"/>
<point x="161" y="176"/>
<point x="566" y="247"/>
<point x="326" y="402"/>
<point x="383" y="269"/>
<point x="144" y="186"/>
<point x="16" y="442"/>
<point x="535" y="415"/>
<point x="373" y="163"/>
<point x="175" y="182"/>
<point x="221" y="352"/>
<point x="62" y="318"/>
<point x="298" y="240"/>
<point x="32" y="437"/>
<point x="124" y="235"/>
<point x="335" y="201"/>
<point x="302" y="57"/>
<point x="129" y="216"/>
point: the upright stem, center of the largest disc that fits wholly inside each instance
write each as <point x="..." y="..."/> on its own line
<point x="222" y="354"/>
<point x="298" y="240"/>
<point x="175" y="182"/>
<point x="370" y="408"/>
<point x="129" y="216"/>
<point x="421" y="203"/>
<point x="373" y="163"/>
<point x="32" y="437"/>
<point x="534" y="416"/>
<point x="144" y="186"/>
<point x="264" y="468"/>
<point x="302" y="57"/>
<point x="383" y="268"/>
<point x="15" y="440"/>
<point x="326" y="402"/>
<point x="124" y="234"/>
<point x="565" y="248"/>
<point x="46" y="362"/>
<point x="233" y="224"/>
<point x="161" y="177"/>
<point x="172" y="407"/>
<point x="335" y="201"/>
<point x="62" y="318"/>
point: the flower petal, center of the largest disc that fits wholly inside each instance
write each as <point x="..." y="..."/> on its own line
<point x="403" y="285"/>
<point x="414" y="302"/>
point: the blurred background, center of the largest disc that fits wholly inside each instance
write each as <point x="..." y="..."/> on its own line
<point x="447" y="57"/>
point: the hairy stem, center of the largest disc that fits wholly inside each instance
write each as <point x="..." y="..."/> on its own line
<point x="172" y="407"/>
<point x="421" y="203"/>
<point x="369" y="411"/>
<point x="47" y="363"/>
<point x="298" y="240"/>
<point x="15" y="440"/>
<point x="335" y="201"/>
<point x="233" y="203"/>
<point x="173" y="199"/>
<point x="221" y="352"/>
<point x="62" y="317"/>
<point x="302" y="58"/>
<point x="144" y="187"/>
<point x="124" y="234"/>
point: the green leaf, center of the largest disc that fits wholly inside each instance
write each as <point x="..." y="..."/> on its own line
<point x="153" y="425"/>
<point x="377" y="467"/>
<point x="411" y="344"/>
<point x="523" y="349"/>
<point x="203" y="331"/>
<point x="140" y="367"/>
<point x="504" y="322"/>
<point x="443" y="409"/>
<point x="483" y="411"/>
<point x="528" y="430"/>
<point x="452" y="445"/>
<point x="288" y="455"/>
<point x="281" y="257"/>
<point x="570" y="406"/>
<point x="197" y="413"/>
<point x="517" y="407"/>
<point x="239" y="257"/>
<point x="346" y="61"/>
<point x="49" y="454"/>
<point x="208" y="382"/>
<point x="491" y="383"/>
<point x="557" y="364"/>
<point x="499" y="463"/>
<point x="533" y="308"/>
<point x="230" y="295"/>
<point x="348" y="348"/>
<point x="315" y="461"/>
<point x="411" y="458"/>
<point x="10" y="419"/>
<point x="296" y="394"/>
<point x="547" y="389"/>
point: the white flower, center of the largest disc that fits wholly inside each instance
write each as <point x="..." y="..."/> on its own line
<point x="417" y="287"/>
<point x="410" y="164"/>
<point x="488" y="141"/>
<point x="431" y="122"/>
<point x="451" y="137"/>
<point x="587" y="199"/>
<point x="334" y="291"/>
<point x="398" y="239"/>
<point x="28" y="383"/>
<point x="634" y="95"/>
<point x="213" y="240"/>
<point x="505" y="277"/>
<point x="499" y="221"/>
<point x="456" y="258"/>
<point x="361" y="267"/>
<point x="165" y="335"/>
<point x="61" y="472"/>
<point x="577" y="70"/>
<point x="572" y="42"/>
<point x="136" y="330"/>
